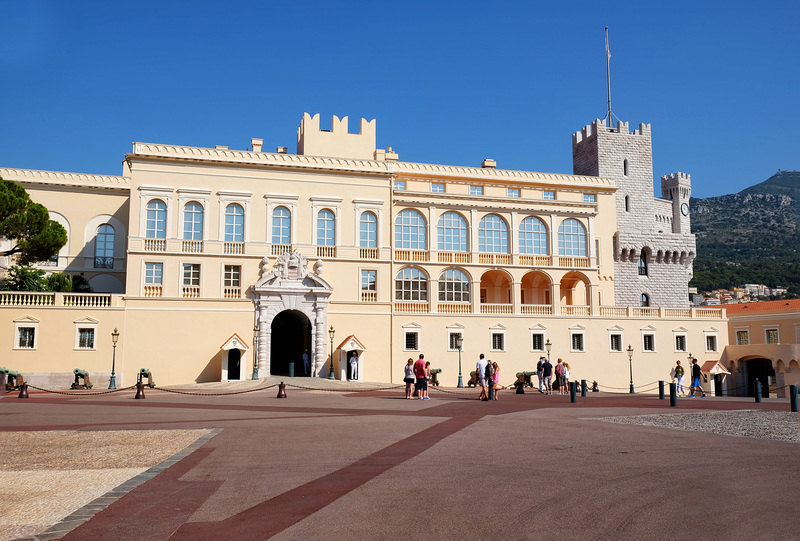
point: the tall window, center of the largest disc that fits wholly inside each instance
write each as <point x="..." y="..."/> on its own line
<point x="493" y="235"/>
<point x="576" y="341"/>
<point x="452" y="232"/>
<point x="104" y="247"/>
<point x="643" y="264"/>
<point x="498" y="341"/>
<point x="232" y="276"/>
<point x="27" y="338"/>
<point x="326" y="227"/>
<point x="193" y="221"/>
<point x="649" y="342"/>
<point x="410" y="230"/>
<point x="153" y="273"/>
<point x="616" y="342"/>
<point x="234" y="223"/>
<point x="742" y="338"/>
<point x="532" y="236"/>
<point x="680" y="342"/>
<point x="453" y="286"/>
<point x="537" y="341"/>
<point x="191" y="274"/>
<point x="711" y="342"/>
<point x="368" y="230"/>
<point x="571" y="238"/>
<point x="410" y="284"/>
<point x="156" y="222"/>
<point x="772" y="336"/>
<point x="452" y="341"/>
<point x="369" y="285"/>
<point x="281" y="226"/>
<point x="85" y="338"/>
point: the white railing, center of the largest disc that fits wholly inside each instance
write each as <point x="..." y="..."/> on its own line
<point x="454" y="308"/>
<point x="369" y="296"/>
<point x="326" y="251"/>
<point x="153" y="291"/>
<point x="192" y="246"/>
<point x="88" y="300"/>
<point x="25" y="298"/>
<point x="494" y="308"/>
<point x="708" y="313"/>
<point x="494" y="259"/>
<point x="232" y="292"/>
<point x="536" y="309"/>
<point x="155" y="245"/>
<point x="574" y="310"/>
<point x="368" y="253"/>
<point x="190" y="292"/>
<point x="233" y="248"/>
<point x="644" y="311"/>
<point x="614" y="311"/>
<point x="535" y="260"/>
<point x="407" y="307"/>
<point x="454" y="257"/>
<point x="280" y="249"/>
<point x="677" y="312"/>
<point x="411" y="255"/>
<point x="574" y="262"/>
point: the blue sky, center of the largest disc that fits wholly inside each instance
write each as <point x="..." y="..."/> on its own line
<point x="448" y="82"/>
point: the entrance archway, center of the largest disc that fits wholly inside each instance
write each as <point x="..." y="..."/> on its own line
<point x="234" y="364"/>
<point x="291" y="338"/>
<point x="759" y="369"/>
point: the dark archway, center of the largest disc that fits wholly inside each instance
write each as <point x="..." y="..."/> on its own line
<point x="234" y="364"/>
<point x="291" y="337"/>
<point x="759" y="369"/>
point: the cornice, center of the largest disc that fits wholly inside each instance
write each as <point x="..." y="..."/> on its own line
<point x="63" y="178"/>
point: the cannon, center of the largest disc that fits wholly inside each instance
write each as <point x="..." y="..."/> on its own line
<point x="14" y="380"/>
<point x="525" y="379"/>
<point x="145" y="373"/>
<point x="434" y="376"/>
<point x="81" y="374"/>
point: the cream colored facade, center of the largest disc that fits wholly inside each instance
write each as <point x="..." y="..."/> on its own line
<point x="237" y="259"/>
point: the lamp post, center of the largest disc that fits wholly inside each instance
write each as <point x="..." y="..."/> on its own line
<point x="459" y="343"/>
<point x="112" y="383"/>
<point x="331" y="332"/>
<point x="255" y="352"/>
<point x="547" y="346"/>
<point x="630" y="360"/>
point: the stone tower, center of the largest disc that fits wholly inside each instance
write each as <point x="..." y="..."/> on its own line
<point x="653" y="245"/>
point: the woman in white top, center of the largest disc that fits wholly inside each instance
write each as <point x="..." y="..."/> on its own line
<point x="565" y="375"/>
<point x="409" y="379"/>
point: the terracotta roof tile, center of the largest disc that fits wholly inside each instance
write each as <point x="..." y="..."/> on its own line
<point x="787" y="305"/>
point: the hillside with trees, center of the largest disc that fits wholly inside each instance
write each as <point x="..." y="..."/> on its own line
<point x="750" y="236"/>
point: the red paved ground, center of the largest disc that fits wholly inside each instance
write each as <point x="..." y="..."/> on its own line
<point x="322" y="465"/>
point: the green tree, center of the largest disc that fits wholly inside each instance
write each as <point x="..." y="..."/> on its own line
<point x="25" y="278"/>
<point x="33" y="235"/>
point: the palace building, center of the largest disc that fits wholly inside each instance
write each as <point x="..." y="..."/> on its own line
<point x="223" y="264"/>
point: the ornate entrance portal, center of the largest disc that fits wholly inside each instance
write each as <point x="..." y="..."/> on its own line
<point x="292" y="313"/>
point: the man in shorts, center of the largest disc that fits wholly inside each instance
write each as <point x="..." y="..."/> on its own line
<point x="696" y="375"/>
<point x="481" y="375"/>
<point x="422" y="378"/>
<point x="547" y="375"/>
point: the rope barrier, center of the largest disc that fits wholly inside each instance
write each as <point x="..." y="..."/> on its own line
<point x="190" y="393"/>
<point x="79" y="394"/>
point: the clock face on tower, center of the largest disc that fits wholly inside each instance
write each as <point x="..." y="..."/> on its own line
<point x="685" y="209"/>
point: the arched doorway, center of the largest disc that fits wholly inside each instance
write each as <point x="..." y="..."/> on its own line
<point x="759" y="369"/>
<point x="291" y="338"/>
<point x="234" y="364"/>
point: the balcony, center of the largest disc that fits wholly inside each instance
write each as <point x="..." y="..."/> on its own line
<point x="454" y="257"/>
<point x="190" y="292"/>
<point x="368" y="253"/>
<point x="71" y="300"/>
<point x="536" y="310"/>
<point x="489" y="308"/>
<point x="155" y="245"/>
<point x="232" y="293"/>
<point x="573" y="262"/>
<point x="153" y="291"/>
<point x="369" y="296"/>
<point x="406" y="307"/>
<point x="454" y="308"/>
<point x="535" y="260"/>
<point x="411" y="255"/>
<point x="192" y="246"/>
<point x="575" y="310"/>
<point x="326" y="251"/>
<point x="233" y="248"/>
<point x="104" y="262"/>
<point x="494" y="259"/>
<point x="280" y="249"/>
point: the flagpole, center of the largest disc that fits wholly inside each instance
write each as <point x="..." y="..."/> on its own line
<point x="608" y="78"/>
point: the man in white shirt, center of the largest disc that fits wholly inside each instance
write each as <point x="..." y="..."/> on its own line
<point x="481" y="375"/>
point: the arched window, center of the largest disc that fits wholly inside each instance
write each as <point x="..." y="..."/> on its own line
<point x="326" y="228"/>
<point x="644" y="300"/>
<point x="410" y="284"/>
<point x="156" y="223"/>
<point x="234" y="223"/>
<point x="410" y="230"/>
<point x="493" y="235"/>
<point x="532" y="236"/>
<point x="193" y="221"/>
<point x="452" y="232"/>
<point x="368" y="230"/>
<point x="281" y="226"/>
<point x="104" y="247"/>
<point x="572" y="238"/>
<point x="643" y="264"/>
<point x="453" y="286"/>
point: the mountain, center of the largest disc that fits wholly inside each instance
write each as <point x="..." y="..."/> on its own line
<point x="749" y="237"/>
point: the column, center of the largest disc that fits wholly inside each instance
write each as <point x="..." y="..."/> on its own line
<point x="264" y="343"/>
<point x="516" y="296"/>
<point x="555" y="297"/>
<point x="320" y="335"/>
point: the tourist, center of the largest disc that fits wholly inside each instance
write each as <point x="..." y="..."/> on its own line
<point x="495" y="383"/>
<point x="480" y="373"/>
<point x="679" y="389"/>
<point x="547" y="374"/>
<point x="428" y="372"/>
<point x="560" y="376"/>
<point x="409" y="379"/>
<point x="565" y="376"/>
<point x="696" y="375"/>
<point x="422" y="380"/>
<point x="539" y="372"/>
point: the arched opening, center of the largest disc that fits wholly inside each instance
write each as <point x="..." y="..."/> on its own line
<point x="291" y="338"/>
<point x="535" y="289"/>
<point x="574" y="290"/>
<point x="496" y="288"/>
<point x="234" y="364"/>
<point x="759" y="369"/>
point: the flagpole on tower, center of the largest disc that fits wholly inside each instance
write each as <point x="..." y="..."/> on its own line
<point x="608" y="79"/>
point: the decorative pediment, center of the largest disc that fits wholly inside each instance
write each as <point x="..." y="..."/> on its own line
<point x="616" y="328"/>
<point x="412" y="325"/>
<point x="234" y="342"/>
<point x="352" y="343"/>
<point x="86" y="320"/>
<point x="713" y="368"/>
<point x="26" y="319"/>
<point x="538" y="327"/>
<point x="710" y="329"/>
<point x="578" y="327"/>
<point x="648" y="328"/>
<point x="458" y="326"/>
<point x="680" y="329"/>
<point x="290" y="272"/>
<point x="497" y="327"/>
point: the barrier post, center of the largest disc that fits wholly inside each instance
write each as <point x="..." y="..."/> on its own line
<point x="758" y="391"/>
<point x="661" y="389"/>
<point x="673" y="395"/>
<point x="793" y="397"/>
<point x="572" y="391"/>
<point x="583" y="388"/>
<point x="23" y="391"/>
<point x="281" y="390"/>
<point x="291" y="370"/>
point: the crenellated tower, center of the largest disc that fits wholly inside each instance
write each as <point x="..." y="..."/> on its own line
<point x="653" y="245"/>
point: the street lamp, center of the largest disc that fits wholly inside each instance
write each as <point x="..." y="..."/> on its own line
<point x="331" y="332"/>
<point x="112" y="383"/>
<point x="547" y="346"/>
<point x="630" y="360"/>
<point x="459" y="343"/>
<point x="255" y="352"/>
